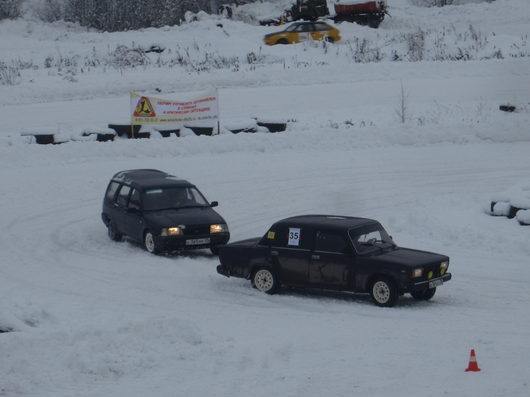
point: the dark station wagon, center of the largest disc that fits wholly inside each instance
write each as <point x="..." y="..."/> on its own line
<point x="162" y="212"/>
<point x="338" y="253"/>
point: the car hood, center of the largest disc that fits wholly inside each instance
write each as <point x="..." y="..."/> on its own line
<point x="184" y="216"/>
<point x="410" y="257"/>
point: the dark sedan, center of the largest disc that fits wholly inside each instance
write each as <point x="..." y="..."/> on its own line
<point x="335" y="252"/>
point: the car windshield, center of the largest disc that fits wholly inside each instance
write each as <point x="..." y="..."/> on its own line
<point x="370" y="238"/>
<point x="173" y="198"/>
<point x="291" y="28"/>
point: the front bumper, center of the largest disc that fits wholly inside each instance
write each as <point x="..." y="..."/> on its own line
<point x="432" y="283"/>
<point x="192" y="242"/>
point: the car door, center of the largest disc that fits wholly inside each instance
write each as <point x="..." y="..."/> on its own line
<point x="331" y="263"/>
<point x="120" y="208"/>
<point x="133" y="217"/>
<point x="290" y="253"/>
<point x="304" y="32"/>
<point x="319" y="31"/>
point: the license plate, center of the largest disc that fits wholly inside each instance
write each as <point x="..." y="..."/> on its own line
<point x="435" y="283"/>
<point x="198" y="241"/>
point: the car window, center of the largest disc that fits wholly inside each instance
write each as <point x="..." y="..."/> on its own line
<point x="289" y="237"/>
<point x="134" y="201"/>
<point x="331" y="242"/>
<point x="172" y="198"/>
<point x="370" y="238"/>
<point x="322" y="26"/>
<point x="111" y="191"/>
<point x="123" y="195"/>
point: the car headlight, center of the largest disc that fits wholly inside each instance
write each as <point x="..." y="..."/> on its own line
<point x="417" y="272"/>
<point x="219" y="228"/>
<point x="443" y="267"/>
<point x="171" y="231"/>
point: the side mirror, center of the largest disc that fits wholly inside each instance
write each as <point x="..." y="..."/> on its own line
<point x="214" y="204"/>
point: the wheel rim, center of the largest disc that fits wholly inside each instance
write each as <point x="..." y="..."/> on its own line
<point x="149" y="242"/>
<point x="263" y="280"/>
<point x="381" y="292"/>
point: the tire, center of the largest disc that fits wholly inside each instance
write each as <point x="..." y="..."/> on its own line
<point x="384" y="292"/>
<point x="329" y="39"/>
<point x="215" y="250"/>
<point x="282" y="41"/>
<point x="150" y="243"/>
<point x="265" y="280"/>
<point x="424" y="295"/>
<point x="113" y="232"/>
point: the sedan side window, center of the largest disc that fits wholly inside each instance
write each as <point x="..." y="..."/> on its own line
<point x="331" y="242"/>
<point x="123" y="195"/>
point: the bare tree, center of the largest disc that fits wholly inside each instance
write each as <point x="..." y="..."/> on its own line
<point x="402" y="109"/>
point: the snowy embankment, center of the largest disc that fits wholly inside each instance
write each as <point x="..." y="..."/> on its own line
<point x="91" y="317"/>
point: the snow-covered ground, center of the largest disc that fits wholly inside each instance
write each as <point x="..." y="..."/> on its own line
<point x="91" y="317"/>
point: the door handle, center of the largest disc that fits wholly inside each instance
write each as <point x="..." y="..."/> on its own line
<point x="274" y="253"/>
<point x="315" y="256"/>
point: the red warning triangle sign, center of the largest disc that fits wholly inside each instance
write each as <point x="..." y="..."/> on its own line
<point x="144" y="108"/>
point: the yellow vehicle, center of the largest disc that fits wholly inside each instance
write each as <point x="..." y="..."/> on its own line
<point x="303" y="31"/>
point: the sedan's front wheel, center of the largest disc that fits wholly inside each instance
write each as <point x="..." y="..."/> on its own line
<point x="265" y="281"/>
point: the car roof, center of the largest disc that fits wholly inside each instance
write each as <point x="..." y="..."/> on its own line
<point x="149" y="178"/>
<point x="337" y="222"/>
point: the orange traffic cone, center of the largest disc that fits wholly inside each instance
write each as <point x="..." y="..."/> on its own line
<point x="473" y="366"/>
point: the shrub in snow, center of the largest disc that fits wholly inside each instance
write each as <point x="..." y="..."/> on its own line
<point x="9" y="75"/>
<point x="10" y="9"/>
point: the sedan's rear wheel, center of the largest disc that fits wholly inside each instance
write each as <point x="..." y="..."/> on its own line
<point x="384" y="292"/>
<point x="265" y="281"/>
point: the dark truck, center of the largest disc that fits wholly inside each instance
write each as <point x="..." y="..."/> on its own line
<point x="363" y="12"/>
<point x="337" y="253"/>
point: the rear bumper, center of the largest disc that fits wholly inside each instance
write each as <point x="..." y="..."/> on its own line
<point x="432" y="283"/>
<point x="223" y="271"/>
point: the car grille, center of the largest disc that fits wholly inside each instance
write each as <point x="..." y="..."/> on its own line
<point x="197" y="230"/>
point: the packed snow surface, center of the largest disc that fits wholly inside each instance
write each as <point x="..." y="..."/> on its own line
<point x="418" y="144"/>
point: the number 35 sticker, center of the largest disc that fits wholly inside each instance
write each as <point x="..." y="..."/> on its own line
<point x="294" y="236"/>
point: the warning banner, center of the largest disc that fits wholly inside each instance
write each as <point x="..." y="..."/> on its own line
<point x="202" y="108"/>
